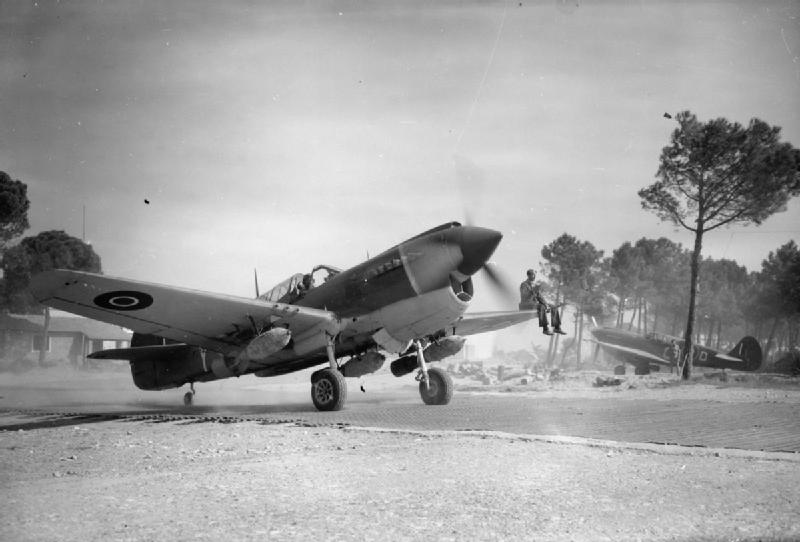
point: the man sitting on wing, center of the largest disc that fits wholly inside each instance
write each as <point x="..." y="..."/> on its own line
<point x="531" y="297"/>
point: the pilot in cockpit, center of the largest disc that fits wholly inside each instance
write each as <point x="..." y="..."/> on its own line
<point x="305" y="285"/>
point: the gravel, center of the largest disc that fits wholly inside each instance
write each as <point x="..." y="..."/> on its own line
<point x="187" y="480"/>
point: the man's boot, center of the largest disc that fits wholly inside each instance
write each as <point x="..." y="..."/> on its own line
<point x="546" y="331"/>
<point x="560" y="331"/>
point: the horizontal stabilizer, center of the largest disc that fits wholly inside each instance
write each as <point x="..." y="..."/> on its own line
<point x="161" y="352"/>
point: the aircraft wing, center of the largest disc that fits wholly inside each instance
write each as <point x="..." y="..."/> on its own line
<point x="636" y="352"/>
<point x="726" y="357"/>
<point x="214" y="321"/>
<point x="482" y="322"/>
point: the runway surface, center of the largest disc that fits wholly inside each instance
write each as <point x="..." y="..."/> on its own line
<point x="772" y="426"/>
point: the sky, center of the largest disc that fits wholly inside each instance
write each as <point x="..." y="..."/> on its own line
<point x="280" y="135"/>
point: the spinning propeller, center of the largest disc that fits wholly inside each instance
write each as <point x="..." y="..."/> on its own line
<point x="471" y="181"/>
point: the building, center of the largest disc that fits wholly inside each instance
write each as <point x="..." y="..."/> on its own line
<point x="70" y="340"/>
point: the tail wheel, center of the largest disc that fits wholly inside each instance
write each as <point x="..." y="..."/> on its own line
<point x="328" y="390"/>
<point x="188" y="397"/>
<point x="439" y="390"/>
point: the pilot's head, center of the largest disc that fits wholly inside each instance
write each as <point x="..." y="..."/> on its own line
<point x="531" y="274"/>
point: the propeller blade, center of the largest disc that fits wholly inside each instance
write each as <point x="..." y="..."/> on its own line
<point x="500" y="284"/>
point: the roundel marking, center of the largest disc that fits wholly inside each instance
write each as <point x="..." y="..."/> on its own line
<point x="124" y="300"/>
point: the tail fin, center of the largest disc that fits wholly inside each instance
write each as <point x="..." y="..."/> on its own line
<point x="749" y="351"/>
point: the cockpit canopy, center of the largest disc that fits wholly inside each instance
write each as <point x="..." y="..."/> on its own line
<point x="292" y="288"/>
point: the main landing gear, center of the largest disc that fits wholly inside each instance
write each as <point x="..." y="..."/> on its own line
<point x="435" y="385"/>
<point x="188" y="397"/>
<point x="439" y="390"/>
<point x="328" y="387"/>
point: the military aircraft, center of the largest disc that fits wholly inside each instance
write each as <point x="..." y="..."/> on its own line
<point x="409" y="301"/>
<point x="648" y="352"/>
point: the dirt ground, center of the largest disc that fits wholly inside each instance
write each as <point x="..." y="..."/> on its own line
<point x="246" y="481"/>
<point x="195" y="480"/>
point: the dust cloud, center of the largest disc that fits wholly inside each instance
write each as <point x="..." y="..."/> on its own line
<point x="65" y="389"/>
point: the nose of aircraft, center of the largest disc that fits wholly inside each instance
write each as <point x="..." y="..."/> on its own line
<point x="477" y="246"/>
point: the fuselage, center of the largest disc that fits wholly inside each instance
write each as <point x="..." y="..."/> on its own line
<point x="660" y="349"/>
<point x="409" y="293"/>
<point x="412" y="290"/>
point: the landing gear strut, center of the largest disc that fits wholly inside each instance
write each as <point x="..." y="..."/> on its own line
<point x="435" y="385"/>
<point x="328" y="387"/>
<point x="188" y="397"/>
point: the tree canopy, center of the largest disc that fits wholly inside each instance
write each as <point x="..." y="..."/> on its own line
<point x="47" y="250"/>
<point x="14" y="206"/>
<point x="575" y="267"/>
<point x="718" y="173"/>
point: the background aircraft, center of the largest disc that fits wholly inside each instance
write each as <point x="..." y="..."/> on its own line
<point x="646" y="352"/>
<point x="408" y="301"/>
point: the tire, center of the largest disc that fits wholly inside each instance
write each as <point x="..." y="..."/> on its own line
<point x="328" y="390"/>
<point x="642" y="371"/>
<point x="441" y="388"/>
<point x="188" y="398"/>
<point x="619" y="370"/>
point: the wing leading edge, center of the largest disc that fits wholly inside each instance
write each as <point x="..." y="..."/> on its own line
<point x="483" y="322"/>
<point x="637" y="352"/>
<point x="214" y="321"/>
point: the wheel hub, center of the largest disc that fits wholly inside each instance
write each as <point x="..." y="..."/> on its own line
<point x="323" y="391"/>
<point x="433" y="387"/>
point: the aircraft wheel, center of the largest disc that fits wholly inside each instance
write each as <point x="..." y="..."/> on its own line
<point x="439" y="390"/>
<point x="188" y="398"/>
<point x="328" y="390"/>
<point x="642" y="371"/>
<point x="619" y="370"/>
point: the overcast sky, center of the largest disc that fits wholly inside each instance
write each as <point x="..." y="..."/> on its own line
<point x="279" y="135"/>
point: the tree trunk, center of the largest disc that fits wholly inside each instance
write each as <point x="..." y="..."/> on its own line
<point x="552" y="349"/>
<point x="45" y="337"/>
<point x="639" y="316"/>
<point x="719" y="333"/>
<point x="656" y="313"/>
<point x="620" y="311"/>
<point x="695" y="265"/>
<point x="633" y="316"/>
<point x="709" y="332"/>
<point x="580" y="336"/>
<point x="768" y="346"/>
<point x="673" y="329"/>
